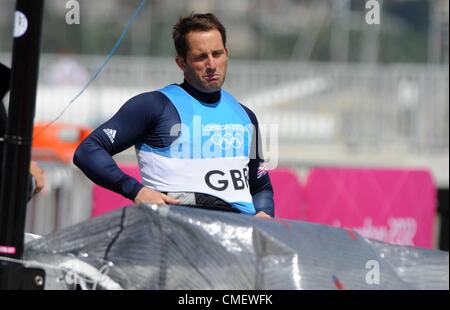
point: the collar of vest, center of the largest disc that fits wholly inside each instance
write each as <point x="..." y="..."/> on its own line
<point x="200" y="96"/>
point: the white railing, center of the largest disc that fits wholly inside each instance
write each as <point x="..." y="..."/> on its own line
<point x="360" y="107"/>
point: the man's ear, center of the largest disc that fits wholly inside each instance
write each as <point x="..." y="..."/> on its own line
<point x="180" y="62"/>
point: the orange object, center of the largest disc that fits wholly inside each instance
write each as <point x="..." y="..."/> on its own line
<point x="58" y="141"/>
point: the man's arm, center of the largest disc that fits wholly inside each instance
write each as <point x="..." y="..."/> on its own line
<point x="129" y="126"/>
<point x="259" y="180"/>
<point x="37" y="179"/>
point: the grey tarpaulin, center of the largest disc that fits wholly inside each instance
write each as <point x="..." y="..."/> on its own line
<point x="176" y="247"/>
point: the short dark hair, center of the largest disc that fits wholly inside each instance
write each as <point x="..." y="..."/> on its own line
<point x="195" y="22"/>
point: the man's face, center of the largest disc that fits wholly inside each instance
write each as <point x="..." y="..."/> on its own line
<point x="206" y="61"/>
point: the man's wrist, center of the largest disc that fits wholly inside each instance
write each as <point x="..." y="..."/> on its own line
<point x="136" y="190"/>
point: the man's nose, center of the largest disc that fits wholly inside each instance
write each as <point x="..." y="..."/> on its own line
<point x="210" y="63"/>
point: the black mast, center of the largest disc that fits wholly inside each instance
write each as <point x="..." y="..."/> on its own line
<point x="14" y="179"/>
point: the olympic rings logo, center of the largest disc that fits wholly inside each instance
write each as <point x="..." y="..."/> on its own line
<point x="227" y="140"/>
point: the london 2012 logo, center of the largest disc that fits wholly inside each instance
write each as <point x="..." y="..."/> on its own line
<point x="227" y="140"/>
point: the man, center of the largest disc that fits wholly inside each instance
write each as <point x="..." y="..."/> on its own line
<point x="195" y="143"/>
<point x="36" y="173"/>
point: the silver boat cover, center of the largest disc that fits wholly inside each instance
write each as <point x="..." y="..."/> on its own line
<point x="176" y="247"/>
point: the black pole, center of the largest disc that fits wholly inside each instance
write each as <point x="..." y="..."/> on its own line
<point x="15" y="177"/>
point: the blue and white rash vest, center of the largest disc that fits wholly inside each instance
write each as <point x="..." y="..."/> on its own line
<point x="186" y="141"/>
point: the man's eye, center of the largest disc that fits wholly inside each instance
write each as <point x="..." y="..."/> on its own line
<point x="201" y="57"/>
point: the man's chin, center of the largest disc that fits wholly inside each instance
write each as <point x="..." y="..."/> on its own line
<point x="210" y="89"/>
<point x="213" y="86"/>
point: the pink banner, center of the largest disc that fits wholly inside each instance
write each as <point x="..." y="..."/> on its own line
<point x="105" y="200"/>
<point x="289" y="195"/>
<point x="392" y="205"/>
<point x="395" y="206"/>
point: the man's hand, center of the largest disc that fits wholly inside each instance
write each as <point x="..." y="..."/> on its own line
<point x="147" y="195"/>
<point x="263" y="215"/>
<point x="38" y="175"/>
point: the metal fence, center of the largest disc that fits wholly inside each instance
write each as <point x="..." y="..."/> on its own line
<point x="65" y="200"/>
<point x="359" y="107"/>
